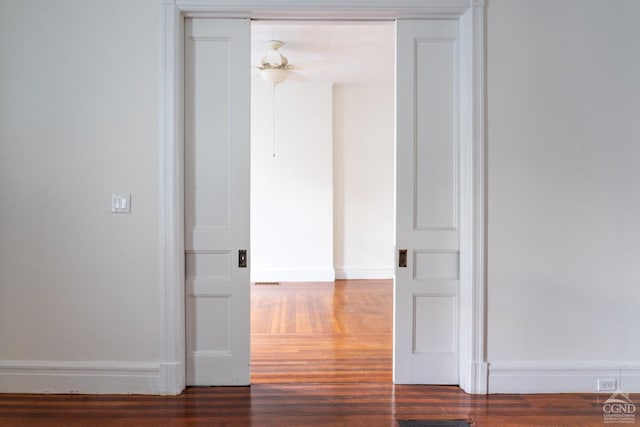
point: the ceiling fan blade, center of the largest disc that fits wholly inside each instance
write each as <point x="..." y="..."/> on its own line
<point x="295" y="76"/>
<point x="313" y="64"/>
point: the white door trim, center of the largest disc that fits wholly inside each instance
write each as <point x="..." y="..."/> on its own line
<point x="471" y="13"/>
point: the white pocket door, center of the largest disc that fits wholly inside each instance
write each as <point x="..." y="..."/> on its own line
<point x="217" y="141"/>
<point x="427" y="203"/>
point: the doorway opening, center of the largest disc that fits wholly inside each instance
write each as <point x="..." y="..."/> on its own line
<point x="322" y="203"/>
<point x="424" y="37"/>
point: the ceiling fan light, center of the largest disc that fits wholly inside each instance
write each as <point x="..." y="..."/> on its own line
<point x="274" y="75"/>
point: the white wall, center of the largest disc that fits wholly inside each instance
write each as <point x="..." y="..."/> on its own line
<point x="291" y="194"/>
<point x="307" y="190"/>
<point x="363" y="118"/>
<point x="564" y="207"/>
<point x="78" y="121"/>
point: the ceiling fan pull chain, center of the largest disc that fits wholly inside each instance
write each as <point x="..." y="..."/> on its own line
<point x="273" y="115"/>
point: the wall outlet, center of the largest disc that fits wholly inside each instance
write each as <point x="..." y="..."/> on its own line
<point x="607" y="384"/>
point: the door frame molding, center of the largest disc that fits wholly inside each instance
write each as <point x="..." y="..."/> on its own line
<point x="471" y="16"/>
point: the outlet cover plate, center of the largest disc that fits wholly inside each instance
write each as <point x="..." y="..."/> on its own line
<point x="607" y="384"/>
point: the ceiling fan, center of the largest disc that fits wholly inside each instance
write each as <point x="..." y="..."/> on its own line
<point x="274" y="67"/>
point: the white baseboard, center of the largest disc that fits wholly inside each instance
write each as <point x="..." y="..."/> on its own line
<point x="561" y="376"/>
<point x="258" y="275"/>
<point x="364" y="273"/>
<point x="22" y="376"/>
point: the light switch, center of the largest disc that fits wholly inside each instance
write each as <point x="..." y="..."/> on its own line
<point x="121" y="203"/>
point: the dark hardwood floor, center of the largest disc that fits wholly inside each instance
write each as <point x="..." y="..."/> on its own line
<point x="326" y="404"/>
<point x="321" y="356"/>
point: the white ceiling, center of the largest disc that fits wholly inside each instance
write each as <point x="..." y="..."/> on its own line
<point x="340" y="52"/>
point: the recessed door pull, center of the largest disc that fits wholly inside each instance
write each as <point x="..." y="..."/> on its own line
<point x="402" y="258"/>
<point x="242" y="258"/>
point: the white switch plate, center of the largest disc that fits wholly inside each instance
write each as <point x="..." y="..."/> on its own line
<point x="607" y="384"/>
<point x="121" y="203"/>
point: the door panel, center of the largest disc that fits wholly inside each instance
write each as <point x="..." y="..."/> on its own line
<point x="217" y="107"/>
<point x="427" y="203"/>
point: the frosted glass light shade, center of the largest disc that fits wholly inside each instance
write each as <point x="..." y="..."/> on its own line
<point x="274" y="75"/>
